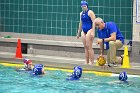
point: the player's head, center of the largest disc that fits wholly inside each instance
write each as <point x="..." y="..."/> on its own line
<point x="77" y="71"/>
<point x="123" y="76"/>
<point x="38" y="68"/>
<point x="27" y="63"/>
<point x="76" y="75"/>
<point x="84" y="5"/>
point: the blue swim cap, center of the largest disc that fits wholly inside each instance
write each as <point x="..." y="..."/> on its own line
<point x="84" y="3"/>
<point x="39" y="66"/>
<point x="77" y="73"/>
<point x="123" y="76"/>
<point x="37" y="70"/>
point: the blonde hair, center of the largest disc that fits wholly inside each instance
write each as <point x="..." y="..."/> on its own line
<point x="98" y="20"/>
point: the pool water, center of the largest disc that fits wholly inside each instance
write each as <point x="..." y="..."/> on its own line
<point x="12" y="81"/>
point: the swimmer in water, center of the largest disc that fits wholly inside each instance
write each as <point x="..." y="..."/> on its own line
<point x="76" y="75"/>
<point x="38" y="69"/>
<point x="122" y="79"/>
<point x="27" y="65"/>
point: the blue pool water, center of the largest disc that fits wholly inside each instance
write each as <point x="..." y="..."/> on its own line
<point x="12" y="81"/>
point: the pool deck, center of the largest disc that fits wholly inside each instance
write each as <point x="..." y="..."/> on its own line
<point x="68" y="63"/>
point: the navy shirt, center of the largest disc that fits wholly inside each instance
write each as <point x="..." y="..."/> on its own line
<point x="110" y="27"/>
<point x="86" y="22"/>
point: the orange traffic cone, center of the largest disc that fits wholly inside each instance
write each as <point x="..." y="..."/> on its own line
<point x="18" y="50"/>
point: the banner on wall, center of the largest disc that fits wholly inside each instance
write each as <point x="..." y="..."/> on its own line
<point x="138" y="11"/>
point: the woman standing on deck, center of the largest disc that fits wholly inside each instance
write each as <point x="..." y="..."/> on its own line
<point x="88" y="31"/>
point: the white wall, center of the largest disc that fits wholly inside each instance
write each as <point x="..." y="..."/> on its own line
<point x="135" y="56"/>
<point x="136" y="26"/>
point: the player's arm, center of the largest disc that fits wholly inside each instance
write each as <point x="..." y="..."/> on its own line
<point x="80" y="26"/>
<point x="92" y="16"/>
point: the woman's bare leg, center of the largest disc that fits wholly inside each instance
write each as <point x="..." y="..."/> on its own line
<point x="89" y="42"/>
<point x="86" y="50"/>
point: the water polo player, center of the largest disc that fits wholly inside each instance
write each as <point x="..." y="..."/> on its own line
<point x="27" y="65"/>
<point x="87" y="30"/>
<point x="76" y="75"/>
<point x="123" y="76"/>
<point x="38" y="69"/>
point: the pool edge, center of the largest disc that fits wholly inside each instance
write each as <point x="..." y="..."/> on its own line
<point x="99" y="73"/>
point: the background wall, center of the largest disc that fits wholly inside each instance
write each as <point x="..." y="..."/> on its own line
<point x="136" y="34"/>
<point x="61" y="17"/>
<point x="136" y="25"/>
